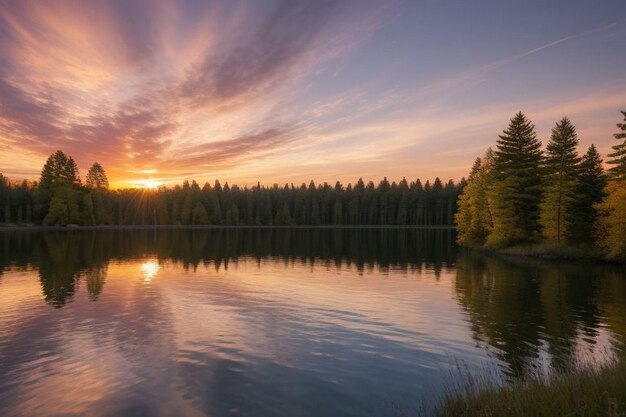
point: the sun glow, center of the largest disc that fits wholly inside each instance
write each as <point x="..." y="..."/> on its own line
<point x="151" y="184"/>
<point x="149" y="269"/>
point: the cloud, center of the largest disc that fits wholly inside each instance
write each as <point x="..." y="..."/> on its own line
<point x="218" y="154"/>
<point x="136" y="84"/>
<point x="263" y="56"/>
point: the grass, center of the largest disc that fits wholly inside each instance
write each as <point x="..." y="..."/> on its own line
<point x="550" y="251"/>
<point x="589" y="392"/>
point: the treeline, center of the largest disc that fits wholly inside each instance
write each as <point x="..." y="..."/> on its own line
<point x="61" y="198"/>
<point x="520" y="193"/>
<point x="64" y="259"/>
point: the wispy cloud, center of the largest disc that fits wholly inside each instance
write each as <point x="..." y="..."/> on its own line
<point x="242" y="90"/>
<point x="118" y="82"/>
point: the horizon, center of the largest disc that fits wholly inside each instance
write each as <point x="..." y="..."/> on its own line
<point x="289" y="92"/>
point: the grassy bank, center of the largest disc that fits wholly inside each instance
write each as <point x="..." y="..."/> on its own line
<point x="600" y="392"/>
<point x="550" y="251"/>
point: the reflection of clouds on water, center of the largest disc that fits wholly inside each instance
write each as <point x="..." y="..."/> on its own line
<point x="332" y="333"/>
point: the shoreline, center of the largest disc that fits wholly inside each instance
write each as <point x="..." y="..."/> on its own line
<point x="595" y="391"/>
<point x="548" y="252"/>
<point x="40" y="228"/>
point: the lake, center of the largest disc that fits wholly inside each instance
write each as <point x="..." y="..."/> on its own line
<point x="283" y="322"/>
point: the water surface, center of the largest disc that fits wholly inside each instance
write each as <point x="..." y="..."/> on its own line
<point x="282" y="322"/>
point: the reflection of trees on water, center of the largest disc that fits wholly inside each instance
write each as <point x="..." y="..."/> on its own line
<point x="63" y="258"/>
<point x="532" y="312"/>
<point x="95" y="277"/>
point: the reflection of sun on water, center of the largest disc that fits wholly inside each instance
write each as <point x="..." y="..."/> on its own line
<point x="149" y="269"/>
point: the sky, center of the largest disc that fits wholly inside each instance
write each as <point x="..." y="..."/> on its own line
<point x="291" y="91"/>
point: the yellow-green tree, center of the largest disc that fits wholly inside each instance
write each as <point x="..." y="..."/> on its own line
<point x="612" y="211"/>
<point x="473" y="218"/>
<point x="612" y="220"/>
<point x="64" y="207"/>
<point x="560" y="182"/>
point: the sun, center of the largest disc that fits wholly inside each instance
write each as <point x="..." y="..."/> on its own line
<point x="149" y="269"/>
<point x="151" y="184"/>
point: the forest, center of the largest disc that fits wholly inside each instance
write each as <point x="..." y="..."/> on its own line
<point x="520" y="193"/>
<point x="60" y="197"/>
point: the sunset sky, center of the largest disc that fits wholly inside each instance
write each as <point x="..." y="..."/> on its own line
<point x="289" y="91"/>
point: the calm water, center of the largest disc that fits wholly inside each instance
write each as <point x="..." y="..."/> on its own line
<point x="281" y="322"/>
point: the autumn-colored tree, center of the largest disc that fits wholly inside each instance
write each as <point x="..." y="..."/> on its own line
<point x="473" y="219"/>
<point x="612" y="220"/>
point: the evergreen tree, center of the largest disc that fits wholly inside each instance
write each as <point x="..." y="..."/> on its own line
<point x="96" y="177"/>
<point x="560" y="183"/>
<point x="89" y="215"/>
<point x="283" y="218"/>
<point x="517" y="183"/>
<point x="590" y="191"/>
<point x="617" y="158"/>
<point x="337" y="213"/>
<point x="199" y="215"/>
<point x="234" y="215"/>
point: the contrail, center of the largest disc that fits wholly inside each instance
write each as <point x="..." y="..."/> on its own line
<point x="472" y="75"/>
<point x="554" y="43"/>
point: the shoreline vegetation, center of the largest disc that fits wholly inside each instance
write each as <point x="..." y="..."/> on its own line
<point x="522" y="200"/>
<point x="593" y="391"/>
<point x="72" y="227"/>
<point x="547" y="251"/>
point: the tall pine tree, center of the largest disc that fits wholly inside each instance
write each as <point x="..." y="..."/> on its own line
<point x="590" y="192"/>
<point x="617" y="158"/>
<point x="97" y="177"/>
<point x="517" y="183"/>
<point x="560" y="183"/>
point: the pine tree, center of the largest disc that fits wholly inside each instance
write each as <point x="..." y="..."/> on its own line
<point x="199" y="215"/>
<point x="97" y="177"/>
<point x="89" y="216"/>
<point x="234" y="215"/>
<point x="337" y="213"/>
<point x="560" y="182"/>
<point x="283" y="218"/>
<point x="618" y="156"/>
<point x="590" y="191"/>
<point x="517" y="183"/>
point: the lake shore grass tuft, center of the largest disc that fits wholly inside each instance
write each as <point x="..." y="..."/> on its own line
<point x="585" y="393"/>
